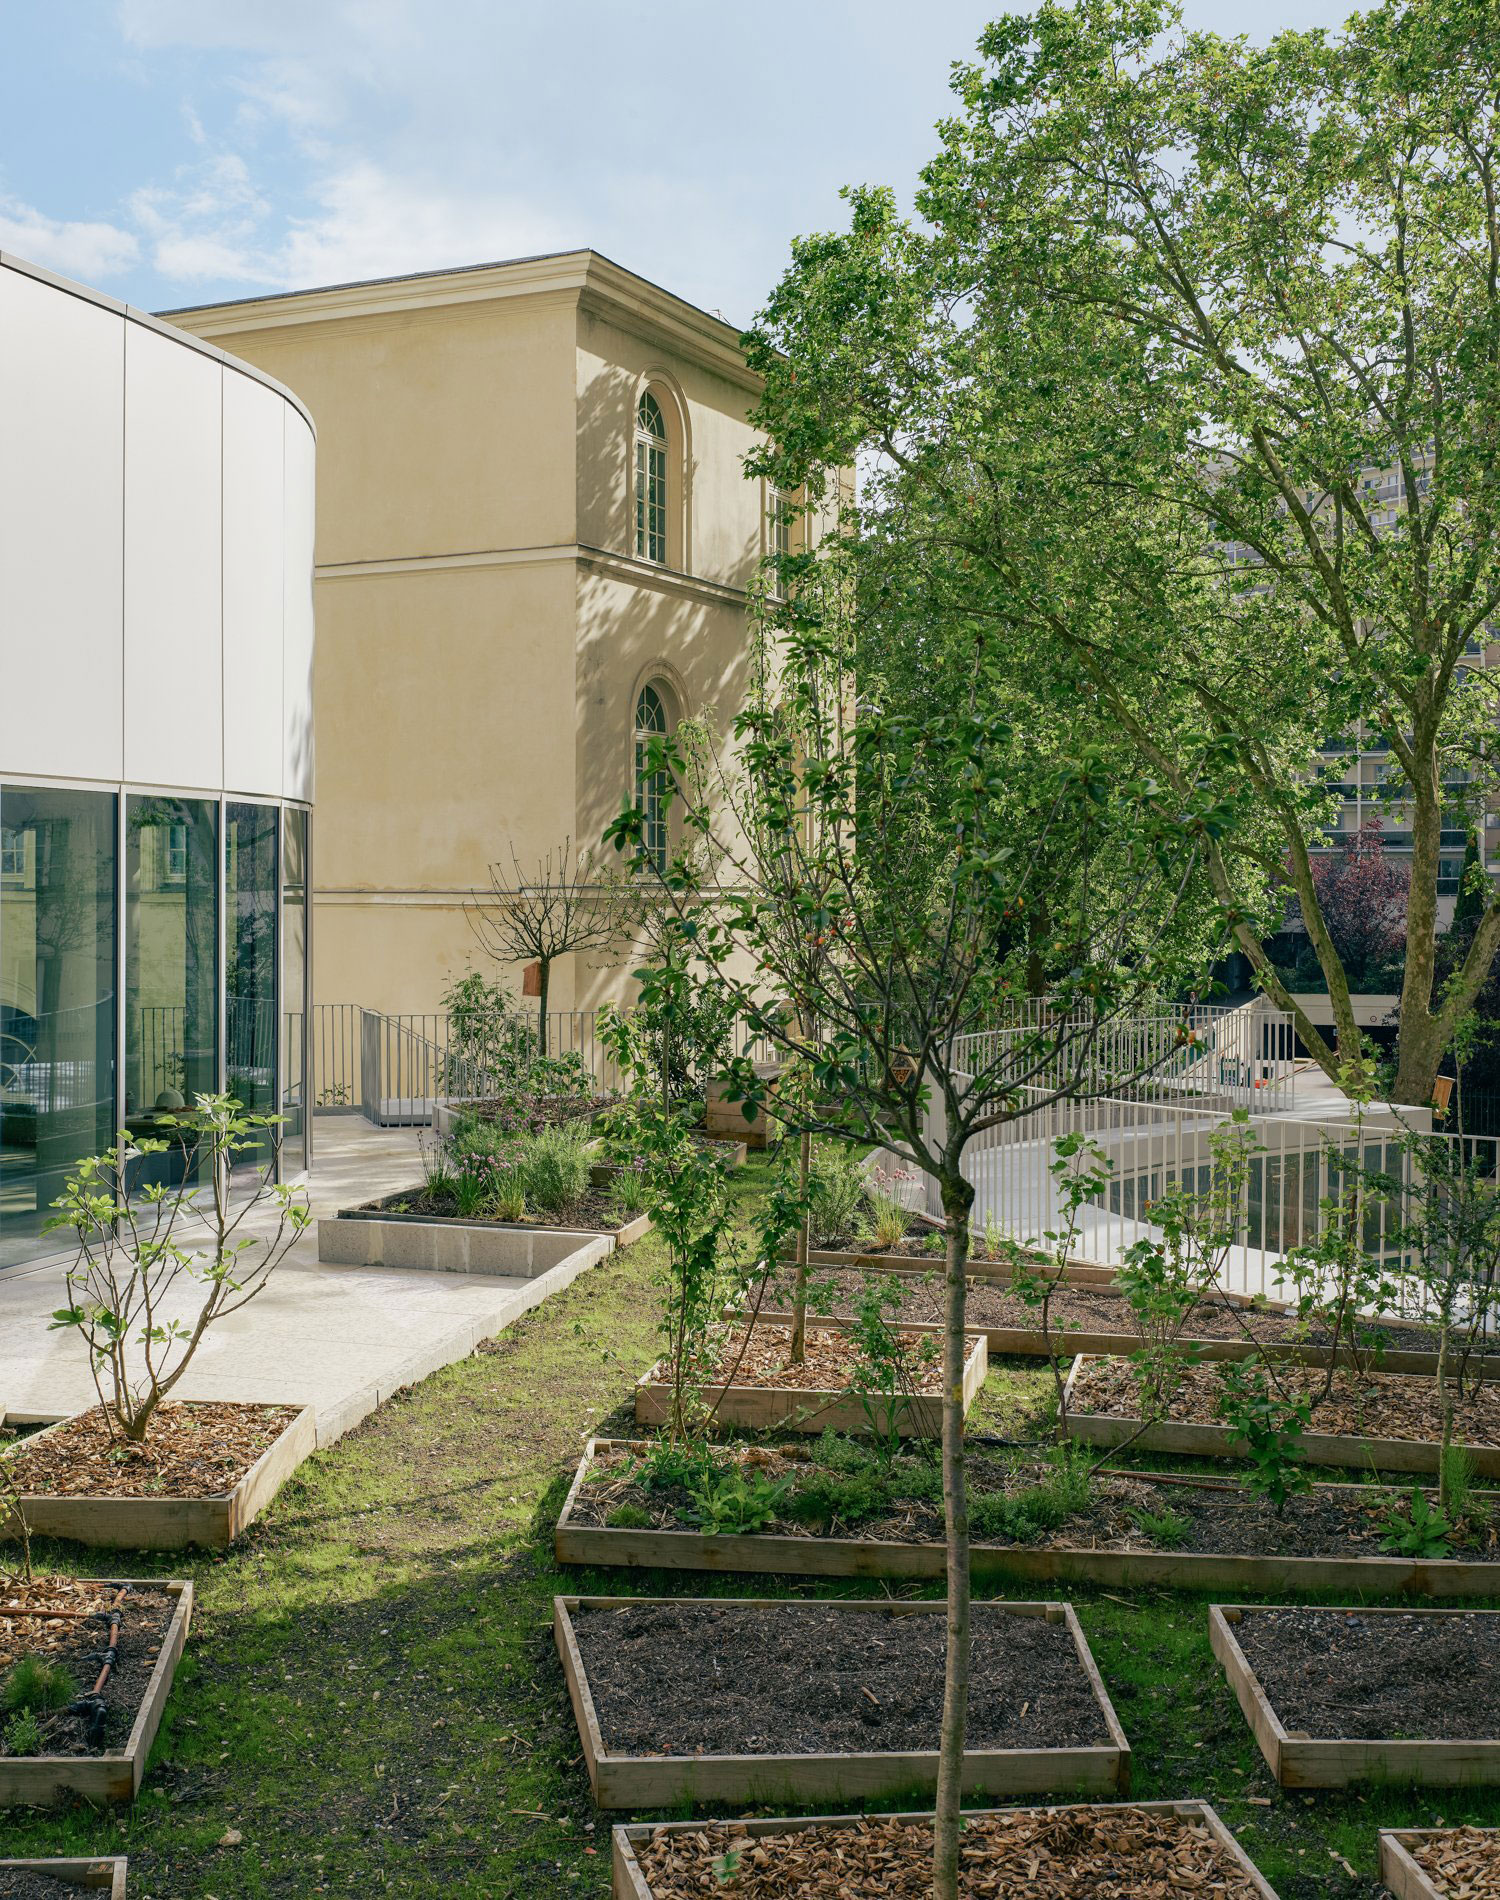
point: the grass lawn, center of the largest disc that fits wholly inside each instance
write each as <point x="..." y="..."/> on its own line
<point x="370" y="1702"/>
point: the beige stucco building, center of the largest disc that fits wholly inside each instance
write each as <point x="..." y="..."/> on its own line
<point x="532" y="517"/>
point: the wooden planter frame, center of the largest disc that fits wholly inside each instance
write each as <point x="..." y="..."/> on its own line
<point x="1183" y="1438"/>
<point x="1399" y="1870"/>
<point x="39" y="1780"/>
<point x="1072" y="1341"/>
<point x="760" y="1554"/>
<point x="1299" y="1760"/>
<point x="799" y="1409"/>
<point x="167" y="1523"/>
<point x="106" y="1874"/>
<point x="1085" y="1273"/>
<point x="663" y="1781"/>
<point x="628" y="1882"/>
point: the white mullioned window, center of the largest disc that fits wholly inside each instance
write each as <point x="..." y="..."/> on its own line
<point x="650" y="481"/>
<point x="778" y="524"/>
<point x="651" y="786"/>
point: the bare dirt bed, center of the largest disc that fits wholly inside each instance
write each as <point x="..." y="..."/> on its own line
<point x="828" y="1365"/>
<point x="596" y="1213"/>
<point x="1106" y="1855"/>
<point x="1217" y="1515"/>
<point x="198" y="1448"/>
<point x="1463" y="1863"/>
<point x="1337" y="1674"/>
<point x="25" y="1883"/>
<point x="1367" y="1405"/>
<point x="74" y="1642"/>
<point x="805" y="1679"/>
<point x="1081" y="1309"/>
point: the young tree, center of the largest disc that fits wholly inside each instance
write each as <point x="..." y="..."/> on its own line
<point x="892" y="975"/>
<point x="566" y="908"/>
<point x="1363" y="893"/>
<point x="1188" y="379"/>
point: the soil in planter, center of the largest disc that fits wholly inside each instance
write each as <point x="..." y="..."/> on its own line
<point x="1342" y="1676"/>
<point x="74" y="1643"/>
<point x="596" y="1213"/>
<point x="1372" y="1405"/>
<point x="1080" y="1309"/>
<point x="829" y="1364"/>
<point x="195" y="1448"/>
<point x="1014" y="1505"/>
<point x="1464" y="1862"/>
<point x="1104" y="1853"/>
<point x="25" y="1883"/>
<point x="806" y="1679"/>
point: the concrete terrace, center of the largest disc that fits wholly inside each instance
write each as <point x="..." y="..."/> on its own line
<point x="341" y="1339"/>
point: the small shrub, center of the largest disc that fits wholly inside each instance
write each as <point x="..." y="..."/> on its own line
<point x="554" y="1169"/>
<point x="734" y="1503"/>
<point x="1271" y="1427"/>
<point x="34" y="1684"/>
<point x="22" y="1734"/>
<point x="1015" y="1517"/>
<point x="1422" y="1529"/>
<point x="823" y="1498"/>
<point x="1167" y="1529"/>
<point x="890" y="1217"/>
<point x="628" y="1517"/>
<point x="669" y="1467"/>
<point x="627" y="1191"/>
<point x="836" y="1189"/>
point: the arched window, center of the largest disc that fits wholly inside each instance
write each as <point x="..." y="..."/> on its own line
<point x="651" y="786"/>
<point x="650" y="481"/>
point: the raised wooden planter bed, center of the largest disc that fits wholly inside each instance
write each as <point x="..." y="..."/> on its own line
<point x="629" y="1881"/>
<point x="447" y="1244"/>
<point x="168" y="1523"/>
<point x="1183" y="1437"/>
<point x="1080" y="1273"/>
<point x="1119" y="1341"/>
<point x="787" y="1408"/>
<point x="664" y="1780"/>
<point x="40" y="1780"/>
<point x="763" y="1554"/>
<point x="1300" y="1760"/>
<point x="93" y="1876"/>
<point x="1407" y="1879"/>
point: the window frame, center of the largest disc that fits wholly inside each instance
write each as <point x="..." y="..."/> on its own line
<point x="651" y="490"/>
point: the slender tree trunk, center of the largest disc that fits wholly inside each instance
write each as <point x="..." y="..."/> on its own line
<point x="1445" y="1413"/>
<point x="799" y="1292"/>
<point x="543" y="984"/>
<point x="958" y="1197"/>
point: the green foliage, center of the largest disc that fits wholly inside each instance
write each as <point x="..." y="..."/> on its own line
<point x="1271" y="1425"/>
<point x="22" y="1734"/>
<point x="890" y="1217"/>
<point x="628" y="1517"/>
<point x="836" y="1191"/>
<point x="1167" y="1529"/>
<point x="553" y="1165"/>
<point x="733" y="1502"/>
<point x="822" y="1498"/>
<point x="36" y="1684"/>
<point x="672" y="1465"/>
<point x="1421" y="1529"/>
<point x="1018" y="1517"/>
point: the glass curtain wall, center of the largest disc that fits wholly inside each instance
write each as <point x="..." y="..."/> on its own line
<point x="250" y="854"/>
<point x="171" y="962"/>
<point x="57" y="998"/>
<point x="294" y="1102"/>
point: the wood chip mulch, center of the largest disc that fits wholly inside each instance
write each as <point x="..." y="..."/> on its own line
<point x="1104" y="1853"/>
<point x="829" y="1363"/>
<point x="1463" y="1863"/>
<point x="26" y="1635"/>
<point x="1370" y="1405"/>
<point x="193" y="1449"/>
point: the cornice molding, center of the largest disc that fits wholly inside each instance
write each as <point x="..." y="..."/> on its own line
<point x="624" y="567"/>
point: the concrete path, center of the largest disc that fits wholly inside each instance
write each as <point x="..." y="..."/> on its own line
<point x="341" y="1339"/>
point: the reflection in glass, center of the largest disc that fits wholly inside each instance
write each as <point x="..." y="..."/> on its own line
<point x="57" y="998"/>
<point x="294" y="980"/>
<point x="250" y="833"/>
<point x="171" y="941"/>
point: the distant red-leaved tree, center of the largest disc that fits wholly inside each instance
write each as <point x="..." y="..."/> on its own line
<point x="1362" y="891"/>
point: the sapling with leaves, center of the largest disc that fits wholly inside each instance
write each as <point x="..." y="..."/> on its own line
<point x="159" y="1263"/>
<point x="902" y="956"/>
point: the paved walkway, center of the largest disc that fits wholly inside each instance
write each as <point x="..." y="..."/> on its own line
<point x="342" y="1339"/>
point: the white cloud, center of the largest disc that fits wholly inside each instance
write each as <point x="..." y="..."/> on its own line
<point x="91" y="250"/>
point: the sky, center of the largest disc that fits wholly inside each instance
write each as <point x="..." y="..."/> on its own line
<point x="175" y="152"/>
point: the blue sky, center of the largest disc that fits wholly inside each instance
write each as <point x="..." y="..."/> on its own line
<point x="183" y="151"/>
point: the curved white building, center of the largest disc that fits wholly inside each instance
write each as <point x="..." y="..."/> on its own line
<point x="156" y="734"/>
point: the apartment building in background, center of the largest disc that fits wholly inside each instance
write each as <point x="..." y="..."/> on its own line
<point x="536" y="545"/>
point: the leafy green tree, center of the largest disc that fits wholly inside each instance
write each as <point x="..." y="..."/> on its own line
<point x="1185" y="387"/>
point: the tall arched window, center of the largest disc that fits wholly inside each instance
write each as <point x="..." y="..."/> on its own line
<point x="651" y="786"/>
<point x="650" y="481"/>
